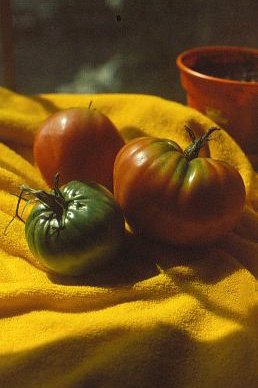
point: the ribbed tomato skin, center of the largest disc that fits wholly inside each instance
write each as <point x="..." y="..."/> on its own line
<point x="90" y="236"/>
<point x="171" y="199"/>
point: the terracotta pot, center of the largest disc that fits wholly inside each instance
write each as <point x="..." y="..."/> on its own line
<point x="222" y="83"/>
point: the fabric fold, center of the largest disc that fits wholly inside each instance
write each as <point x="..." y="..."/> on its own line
<point x="159" y="316"/>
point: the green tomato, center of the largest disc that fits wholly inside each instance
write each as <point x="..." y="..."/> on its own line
<point x="75" y="229"/>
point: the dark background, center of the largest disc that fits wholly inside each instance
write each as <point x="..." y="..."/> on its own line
<point x="124" y="46"/>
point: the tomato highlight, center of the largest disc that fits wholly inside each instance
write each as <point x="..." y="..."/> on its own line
<point x="80" y="143"/>
<point x="75" y="229"/>
<point x="175" y="196"/>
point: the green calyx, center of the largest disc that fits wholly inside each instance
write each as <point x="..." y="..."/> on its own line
<point x="55" y="201"/>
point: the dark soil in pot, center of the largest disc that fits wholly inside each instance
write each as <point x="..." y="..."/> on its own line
<point x="245" y="71"/>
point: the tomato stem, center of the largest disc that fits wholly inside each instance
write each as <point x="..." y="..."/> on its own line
<point x="56" y="202"/>
<point x="192" y="151"/>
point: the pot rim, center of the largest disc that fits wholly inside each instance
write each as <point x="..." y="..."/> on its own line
<point x="202" y="49"/>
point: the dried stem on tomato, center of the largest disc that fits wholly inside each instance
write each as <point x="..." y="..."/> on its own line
<point x="192" y="151"/>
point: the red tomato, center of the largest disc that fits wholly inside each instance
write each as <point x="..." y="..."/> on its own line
<point x="79" y="144"/>
<point x="175" y="196"/>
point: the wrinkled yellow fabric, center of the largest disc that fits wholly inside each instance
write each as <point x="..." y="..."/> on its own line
<point x="160" y="317"/>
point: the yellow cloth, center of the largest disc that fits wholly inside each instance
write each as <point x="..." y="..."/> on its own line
<point x="160" y="317"/>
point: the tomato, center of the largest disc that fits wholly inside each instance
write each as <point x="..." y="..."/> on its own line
<point x="80" y="143"/>
<point x="75" y="229"/>
<point x="175" y="196"/>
